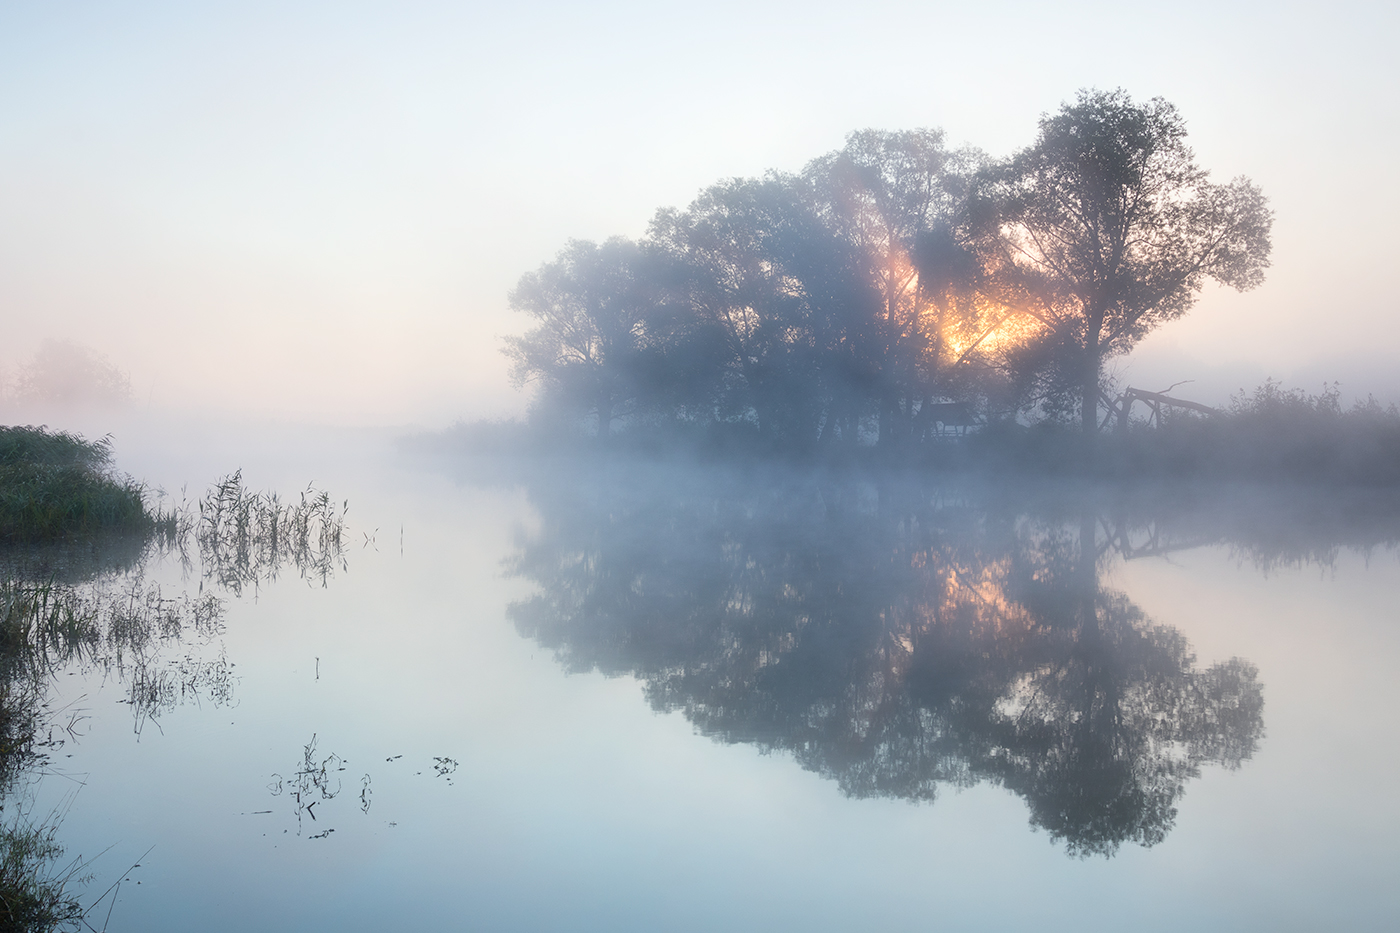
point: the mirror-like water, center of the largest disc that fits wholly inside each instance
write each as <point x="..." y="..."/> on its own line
<point x="526" y="696"/>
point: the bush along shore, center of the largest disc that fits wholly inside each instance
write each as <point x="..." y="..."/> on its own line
<point x="55" y="485"/>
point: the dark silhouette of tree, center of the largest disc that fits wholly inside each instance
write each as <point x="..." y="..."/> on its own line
<point x="735" y="245"/>
<point x="1105" y="228"/>
<point x="888" y="637"/>
<point x="591" y="304"/>
<point x="892" y="283"/>
<point x="895" y="199"/>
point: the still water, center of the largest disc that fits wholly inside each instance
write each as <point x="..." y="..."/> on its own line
<point x="642" y="696"/>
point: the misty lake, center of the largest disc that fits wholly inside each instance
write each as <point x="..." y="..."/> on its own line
<point x="568" y="695"/>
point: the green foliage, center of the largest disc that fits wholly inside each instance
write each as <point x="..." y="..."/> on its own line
<point x="54" y="485"/>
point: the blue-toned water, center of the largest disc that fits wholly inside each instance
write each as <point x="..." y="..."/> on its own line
<point x="620" y="696"/>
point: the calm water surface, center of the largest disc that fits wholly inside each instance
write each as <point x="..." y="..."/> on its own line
<point x="606" y="697"/>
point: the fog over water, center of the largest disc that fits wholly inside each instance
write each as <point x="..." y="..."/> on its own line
<point x="616" y="693"/>
<point x="314" y="211"/>
<point x="773" y="614"/>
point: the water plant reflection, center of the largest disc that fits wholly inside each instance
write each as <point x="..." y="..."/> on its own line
<point x="890" y="635"/>
<point x="246" y="537"/>
<point x="86" y="601"/>
<point x="90" y="602"/>
<point x="314" y="782"/>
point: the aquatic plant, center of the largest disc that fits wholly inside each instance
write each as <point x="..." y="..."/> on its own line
<point x="247" y="536"/>
<point x="315" y="782"/>
<point x="75" y="544"/>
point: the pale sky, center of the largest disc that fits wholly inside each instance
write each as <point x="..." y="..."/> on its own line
<point x="314" y="211"/>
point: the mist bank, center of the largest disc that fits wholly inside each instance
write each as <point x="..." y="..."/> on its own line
<point x="1270" y="435"/>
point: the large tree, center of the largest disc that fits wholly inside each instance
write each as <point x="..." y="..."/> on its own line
<point x="591" y="305"/>
<point x="1106" y="228"/>
<point x="895" y="198"/>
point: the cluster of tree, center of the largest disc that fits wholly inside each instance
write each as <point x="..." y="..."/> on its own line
<point x="892" y="637"/>
<point x="65" y="372"/>
<point x="895" y="287"/>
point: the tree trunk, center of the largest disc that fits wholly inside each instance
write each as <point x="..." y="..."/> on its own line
<point x="604" y="415"/>
<point x="1089" y="411"/>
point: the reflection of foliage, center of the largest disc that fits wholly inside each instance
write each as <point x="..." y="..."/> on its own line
<point x="892" y="638"/>
<point x="445" y="768"/>
<point x="247" y="536"/>
<point x="117" y="627"/>
<point x="156" y="688"/>
<point x="1269" y="527"/>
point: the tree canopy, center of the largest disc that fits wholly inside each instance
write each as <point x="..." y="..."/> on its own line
<point x="894" y="289"/>
<point x="1106" y="228"/>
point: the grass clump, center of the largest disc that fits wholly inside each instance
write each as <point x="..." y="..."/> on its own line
<point x="33" y="891"/>
<point x="56" y="485"/>
<point x="246" y="536"/>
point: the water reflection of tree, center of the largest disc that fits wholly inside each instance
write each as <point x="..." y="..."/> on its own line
<point x="890" y="638"/>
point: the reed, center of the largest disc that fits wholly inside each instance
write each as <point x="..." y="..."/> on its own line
<point x="75" y="544"/>
<point x="245" y="537"/>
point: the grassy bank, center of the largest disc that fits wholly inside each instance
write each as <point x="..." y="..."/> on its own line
<point x="55" y="485"/>
<point x="61" y="504"/>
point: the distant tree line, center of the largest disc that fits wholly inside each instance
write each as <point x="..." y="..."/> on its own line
<point x="895" y="288"/>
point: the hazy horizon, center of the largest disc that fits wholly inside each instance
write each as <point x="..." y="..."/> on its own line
<point x="315" y="212"/>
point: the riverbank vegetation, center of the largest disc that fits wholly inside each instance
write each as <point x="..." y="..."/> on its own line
<point x="1267" y="435"/>
<point x="76" y="540"/>
<point x="55" y="485"/>
<point x="894" y="293"/>
<point x="900" y="302"/>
